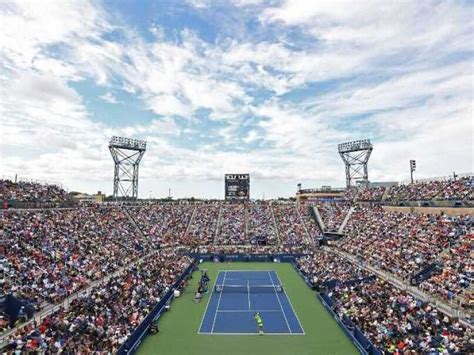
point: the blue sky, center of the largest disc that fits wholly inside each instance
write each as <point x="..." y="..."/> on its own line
<point x="244" y="86"/>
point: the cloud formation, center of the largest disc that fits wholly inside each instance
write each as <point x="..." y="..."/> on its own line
<point x="271" y="95"/>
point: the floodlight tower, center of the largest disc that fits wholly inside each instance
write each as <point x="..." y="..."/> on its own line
<point x="356" y="155"/>
<point x="127" y="154"/>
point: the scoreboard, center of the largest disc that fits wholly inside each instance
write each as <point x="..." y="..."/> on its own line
<point x="237" y="186"/>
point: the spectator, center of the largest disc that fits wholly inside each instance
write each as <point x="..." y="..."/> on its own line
<point x="102" y="320"/>
<point x="395" y="321"/>
<point x="333" y="214"/>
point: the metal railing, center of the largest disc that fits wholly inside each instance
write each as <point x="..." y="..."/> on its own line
<point x="452" y="309"/>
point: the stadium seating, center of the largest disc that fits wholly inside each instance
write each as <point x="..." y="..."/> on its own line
<point x="290" y="225"/>
<point x="165" y="224"/>
<point x="203" y="225"/>
<point x="395" y="321"/>
<point x="31" y="192"/>
<point x="333" y="214"/>
<point x="105" y="317"/>
<point x="232" y="226"/>
<point x="49" y="255"/>
<point x="405" y="243"/>
<point x="439" y="190"/>
<point x="323" y="267"/>
<point x="371" y="194"/>
<point x="454" y="278"/>
<point x="261" y="226"/>
<point x="53" y="253"/>
<point x="309" y="220"/>
<point x="430" y="190"/>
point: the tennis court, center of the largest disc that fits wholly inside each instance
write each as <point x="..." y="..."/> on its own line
<point x="237" y="295"/>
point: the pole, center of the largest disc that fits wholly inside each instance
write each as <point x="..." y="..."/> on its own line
<point x="412" y="168"/>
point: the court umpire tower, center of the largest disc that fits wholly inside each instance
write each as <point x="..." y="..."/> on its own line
<point x="356" y="155"/>
<point x="127" y="154"/>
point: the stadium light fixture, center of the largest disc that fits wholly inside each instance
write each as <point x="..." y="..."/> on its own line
<point x="412" y="169"/>
<point x="127" y="154"/>
<point x="355" y="156"/>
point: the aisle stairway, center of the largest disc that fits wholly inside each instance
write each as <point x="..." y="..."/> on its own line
<point x="346" y="219"/>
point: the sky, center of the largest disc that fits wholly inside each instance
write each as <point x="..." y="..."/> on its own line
<point x="267" y="88"/>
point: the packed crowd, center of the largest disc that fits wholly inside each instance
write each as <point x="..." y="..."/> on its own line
<point x="333" y="214"/>
<point x="232" y="226"/>
<point x="291" y="227"/>
<point x="31" y="192"/>
<point x="204" y="224"/>
<point x="351" y="193"/>
<point x="324" y="266"/>
<point x="406" y="243"/>
<point x="451" y="189"/>
<point x="53" y="253"/>
<point x="100" y="321"/>
<point x="457" y="271"/>
<point x="261" y="227"/>
<point x="395" y="322"/>
<point x="309" y="220"/>
<point x="224" y="223"/>
<point x="164" y="224"/>
<point x="371" y="194"/>
<point x="253" y="249"/>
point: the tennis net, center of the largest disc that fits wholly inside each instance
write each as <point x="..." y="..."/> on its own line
<point x="248" y="288"/>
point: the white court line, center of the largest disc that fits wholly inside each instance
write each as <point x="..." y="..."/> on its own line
<point x="247" y="270"/>
<point x="291" y="305"/>
<point x="281" y="306"/>
<point x="256" y="334"/>
<point x="250" y="310"/>
<point x="208" y="301"/>
<point x="218" y="303"/>
<point x="224" y="311"/>
<point x="248" y="292"/>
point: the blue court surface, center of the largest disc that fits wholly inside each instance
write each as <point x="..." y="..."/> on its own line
<point x="238" y="295"/>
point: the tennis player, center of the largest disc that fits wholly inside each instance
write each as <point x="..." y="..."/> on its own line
<point x="259" y="321"/>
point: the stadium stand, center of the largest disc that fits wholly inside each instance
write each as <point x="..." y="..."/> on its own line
<point x="457" y="271"/>
<point x="371" y="194"/>
<point x="127" y="257"/>
<point x="53" y="253"/>
<point x="309" y="220"/>
<point x="351" y="193"/>
<point x="203" y="226"/>
<point x="261" y="225"/>
<point x="333" y="214"/>
<point x="450" y="189"/>
<point x="32" y="193"/>
<point x="290" y="225"/>
<point x="325" y="268"/>
<point x="396" y="322"/>
<point x="431" y="190"/>
<point x="103" y="319"/>
<point x="232" y="226"/>
<point x="165" y="224"/>
<point x="406" y="243"/>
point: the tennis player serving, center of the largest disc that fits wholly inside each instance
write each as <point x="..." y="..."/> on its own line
<point x="259" y="321"/>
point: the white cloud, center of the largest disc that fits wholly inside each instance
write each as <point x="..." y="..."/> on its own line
<point x="200" y="4"/>
<point x="406" y="80"/>
<point x="30" y="26"/>
<point x="108" y="97"/>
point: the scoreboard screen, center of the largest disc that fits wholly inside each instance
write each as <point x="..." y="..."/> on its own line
<point x="237" y="186"/>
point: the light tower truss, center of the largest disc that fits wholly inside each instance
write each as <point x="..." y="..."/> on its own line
<point x="356" y="155"/>
<point x="127" y="154"/>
